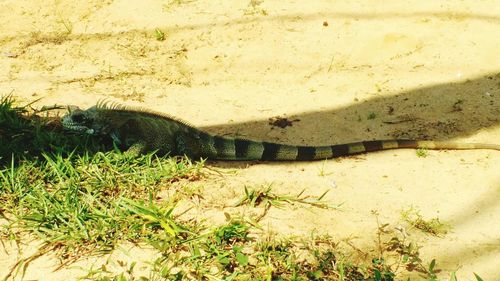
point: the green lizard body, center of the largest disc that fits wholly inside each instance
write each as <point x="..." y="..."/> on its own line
<point x="143" y="131"/>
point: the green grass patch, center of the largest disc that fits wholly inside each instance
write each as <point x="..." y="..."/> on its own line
<point x="58" y="188"/>
<point x="24" y="135"/>
<point x="431" y="226"/>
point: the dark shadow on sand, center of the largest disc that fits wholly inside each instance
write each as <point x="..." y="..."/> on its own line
<point x="439" y="112"/>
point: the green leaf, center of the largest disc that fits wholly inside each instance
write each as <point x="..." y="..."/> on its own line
<point x="195" y="251"/>
<point x="432" y="265"/>
<point x="316" y="275"/>
<point x="242" y="259"/>
<point x="164" y="271"/>
<point x="477" y="277"/>
<point x="378" y="275"/>
<point x="223" y="260"/>
<point x="453" y="276"/>
<point x="121" y="277"/>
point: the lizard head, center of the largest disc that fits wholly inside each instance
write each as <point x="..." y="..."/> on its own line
<point x="82" y="121"/>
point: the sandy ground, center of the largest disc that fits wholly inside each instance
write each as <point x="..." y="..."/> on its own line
<point x="345" y="70"/>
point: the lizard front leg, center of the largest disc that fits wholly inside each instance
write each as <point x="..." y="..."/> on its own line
<point x="136" y="149"/>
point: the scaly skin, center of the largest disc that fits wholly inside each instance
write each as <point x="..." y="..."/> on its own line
<point x="144" y="130"/>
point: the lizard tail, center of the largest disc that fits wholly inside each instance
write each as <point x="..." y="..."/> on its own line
<point x="239" y="149"/>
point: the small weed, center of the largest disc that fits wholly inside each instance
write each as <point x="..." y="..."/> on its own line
<point x="67" y="24"/>
<point x="160" y="36"/>
<point x="432" y="226"/>
<point x="103" y="274"/>
<point x="422" y="152"/>
<point x="264" y="196"/>
<point x="322" y="172"/>
<point x="371" y="116"/>
<point x="396" y="252"/>
<point x="254" y="8"/>
<point x="233" y="232"/>
<point x="55" y="38"/>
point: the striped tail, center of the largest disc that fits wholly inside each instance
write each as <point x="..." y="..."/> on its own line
<point x="239" y="149"/>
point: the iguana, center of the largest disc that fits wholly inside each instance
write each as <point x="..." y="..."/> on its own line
<point x="143" y="130"/>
